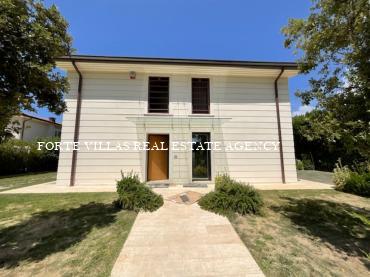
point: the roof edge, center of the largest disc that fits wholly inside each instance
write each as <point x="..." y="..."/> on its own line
<point x="176" y="61"/>
<point x="39" y="118"/>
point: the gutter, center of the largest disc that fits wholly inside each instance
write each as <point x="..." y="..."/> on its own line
<point x="279" y="125"/>
<point x="176" y="61"/>
<point x="77" y="125"/>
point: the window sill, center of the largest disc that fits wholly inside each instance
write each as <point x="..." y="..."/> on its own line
<point x="201" y="115"/>
<point x="158" y="114"/>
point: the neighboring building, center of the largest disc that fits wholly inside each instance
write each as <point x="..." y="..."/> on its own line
<point x="31" y="127"/>
<point x="154" y="99"/>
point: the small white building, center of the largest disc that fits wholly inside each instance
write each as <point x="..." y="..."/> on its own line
<point x="119" y="101"/>
<point x="31" y="127"/>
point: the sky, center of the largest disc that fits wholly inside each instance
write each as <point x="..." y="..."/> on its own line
<point x="199" y="29"/>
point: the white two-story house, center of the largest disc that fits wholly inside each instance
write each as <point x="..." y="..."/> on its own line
<point x="133" y="104"/>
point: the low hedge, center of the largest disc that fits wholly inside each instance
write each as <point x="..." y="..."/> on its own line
<point x="358" y="184"/>
<point x="18" y="156"/>
<point x="351" y="181"/>
<point x="135" y="195"/>
<point x="231" y="197"/>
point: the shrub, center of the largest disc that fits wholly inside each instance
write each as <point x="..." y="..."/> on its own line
<point x="308" y="164"/>
<point x="43" y="160"/>
<point x="299" y="164"/>
<point x="231" y="197"/>
<point x="351" y="181"/>
<point x="18" y="156"/>
<point x="341" y="175"/>
<point x="358" y="184"/>
<point x="135" y="195"/>
<point x="221" y="181"/>
<point x="362" y="167"/>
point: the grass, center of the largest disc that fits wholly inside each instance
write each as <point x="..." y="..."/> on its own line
<point x="309" y="233"/>
<point x="24" y="180"/>
<point x="73" y="234"/>
<point x="316" y="176"/>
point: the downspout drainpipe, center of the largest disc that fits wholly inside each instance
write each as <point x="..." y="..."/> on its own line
<point x="77" y="125"/>
<point x="279" y="125"/>
<point x="24" y="126"/>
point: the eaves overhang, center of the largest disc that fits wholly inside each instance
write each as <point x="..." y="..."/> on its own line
<point x="87" y="63"/>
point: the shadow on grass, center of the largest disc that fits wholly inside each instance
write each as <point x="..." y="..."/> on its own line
<point x="49" y="232"/>
<point x="344" y="226"/>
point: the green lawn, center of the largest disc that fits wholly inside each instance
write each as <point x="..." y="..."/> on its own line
<point x="74" y="234"/>
<point x="316" y="176"/>
<point x="309" y="233"/>
<point x="23" y="180"/>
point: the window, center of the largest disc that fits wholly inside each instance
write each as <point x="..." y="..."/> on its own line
<point x="57" y="132"/>
<point x="158" y="94"/>
<point x="200" y="95"/>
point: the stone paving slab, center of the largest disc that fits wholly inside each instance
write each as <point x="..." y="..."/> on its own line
<point x="184" y="240"/>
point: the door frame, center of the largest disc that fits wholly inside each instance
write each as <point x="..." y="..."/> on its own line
<point x="209" y="166"/>
<point x="147" y="155"/>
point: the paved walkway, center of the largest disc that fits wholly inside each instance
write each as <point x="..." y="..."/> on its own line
<point x="51" y="187"/>
<point x="184" y="240"/>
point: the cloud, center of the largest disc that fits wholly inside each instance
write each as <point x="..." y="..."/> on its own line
<point x="303" y="110"/>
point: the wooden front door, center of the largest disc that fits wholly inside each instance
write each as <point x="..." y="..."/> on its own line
<point x="158" y="159"/>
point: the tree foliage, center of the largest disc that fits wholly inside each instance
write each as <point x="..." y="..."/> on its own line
<point x="334" y="43"/>
<point x="312" y="145"/>
<point x="31" y="37"/>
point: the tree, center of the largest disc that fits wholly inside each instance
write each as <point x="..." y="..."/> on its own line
<point x="312" y="146"/>
<point x="334" y="43"/>
<point x="31" y="37"/>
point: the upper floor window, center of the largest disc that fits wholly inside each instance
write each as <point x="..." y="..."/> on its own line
<point x="57" y="132"/>
<point x="200" y="95"/>
<point x="158" y="95"/>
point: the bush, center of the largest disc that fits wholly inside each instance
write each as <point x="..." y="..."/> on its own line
<point x="308" y="164"/>
<point x="358" y="184"/>
<point x="341" y="175"/>
<point x="134" y="195"/>
<point x="362" y="167"/>
<point x="299" y="164"/>
<point x="351" y="181"/>
<point x="222" y="181"/>
<point x="231" y="197"/>
<point x="18" y="156"/>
